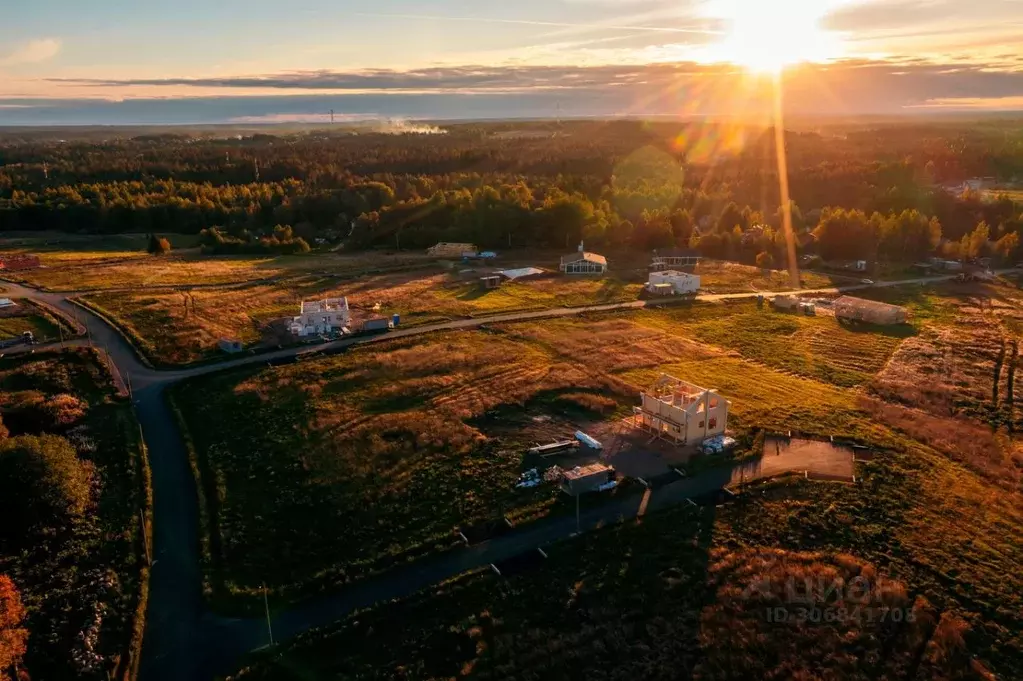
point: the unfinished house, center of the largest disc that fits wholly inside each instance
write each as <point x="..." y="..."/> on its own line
<point x="452" y="250"/>
<point x="870" y="311"/>
<point x="321" y="316"/>
<point x="582" y="262"/>
<point x="673" y="283"/>
<point x="672" y="258"/>
<point x="682" y="413"/>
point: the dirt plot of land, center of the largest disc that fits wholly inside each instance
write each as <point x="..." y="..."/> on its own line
<point x="798" y="455"/>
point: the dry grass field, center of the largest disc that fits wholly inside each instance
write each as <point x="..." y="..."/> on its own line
<point x="28" y="317"/>
<point x="376" y="444"/>
<point x="717" y="276"/>
<point x="389" y="431"/>
<point x="386" y="444"/>
<point x="817" y="347"/>
<point x="182" y="326"/>
<point x="101" y="270"/>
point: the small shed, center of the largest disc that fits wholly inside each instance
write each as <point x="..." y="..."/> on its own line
<point x="230" y="345"/>
<point x="490" y="282"/>
<point x="785" y="302"/>
<point x="862" y="310"/>
<point x="589" y="478"/>
<point x="377" y="324"/>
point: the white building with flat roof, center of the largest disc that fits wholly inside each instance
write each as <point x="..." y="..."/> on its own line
<point x="321" y="316"/>
<point x="673" y="282"/>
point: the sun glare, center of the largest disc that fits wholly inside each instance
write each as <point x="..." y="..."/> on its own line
<point x="766" y="36"/>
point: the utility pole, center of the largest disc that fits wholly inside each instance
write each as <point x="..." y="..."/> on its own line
<point x="266" y="606"/>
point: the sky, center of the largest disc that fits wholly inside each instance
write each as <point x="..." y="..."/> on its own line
<point x="123" y="61"/>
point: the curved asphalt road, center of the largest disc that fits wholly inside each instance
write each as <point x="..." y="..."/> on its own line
<point x="185" y="641"/>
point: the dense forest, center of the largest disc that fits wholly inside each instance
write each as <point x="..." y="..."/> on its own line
<point x="883" y="190"/>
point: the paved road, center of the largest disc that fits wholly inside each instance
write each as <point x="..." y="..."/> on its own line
<point x="183" y="640"/>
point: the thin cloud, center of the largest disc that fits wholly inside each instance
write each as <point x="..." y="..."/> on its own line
<point x="550" y="24"/>
<point x="32" y="52"/>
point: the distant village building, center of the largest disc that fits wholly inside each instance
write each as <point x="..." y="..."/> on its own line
<point x="672" y="258"/>
<point x="490" y="282"/>
<point x="321" y="316"/>
<point x="871" y="311"/>
<point x="681" y="412"/>
<point x="582" y="262"/>
<point x="673" y="283"/>
<point x="18" y="262"/>
<point x="453" y="250"/>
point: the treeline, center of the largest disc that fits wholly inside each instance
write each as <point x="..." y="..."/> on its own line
<point x="281" y="241"/>
<point x="621" y="183"/>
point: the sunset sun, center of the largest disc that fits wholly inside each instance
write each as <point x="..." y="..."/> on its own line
<point x="766" y="37"/>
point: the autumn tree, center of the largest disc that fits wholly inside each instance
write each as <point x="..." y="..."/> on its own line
<point x="975" y="244"/>
<point x="158" y="245"/>
<point x="846" y="234"/>
<point x="1007" y="247"/>
<point x="13" y="635"/>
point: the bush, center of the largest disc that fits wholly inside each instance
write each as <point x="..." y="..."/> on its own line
<point x="12" y="634"/>
<point x="158" y="245"/>
<point x="43" y="484"/>
<point x="282" y="242"/>
<point x="32" y="412"/>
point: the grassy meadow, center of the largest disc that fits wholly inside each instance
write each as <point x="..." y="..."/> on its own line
<point x="183" y="326"/>
<point x="27" y="316"/>
<point x="388" y="435"/>
<point x="87" y="582"/>
<point x="40" y="326"/>
<point x="376" y="444"/>
<point x="685" y="594"/>
<point x="385" y="443"/>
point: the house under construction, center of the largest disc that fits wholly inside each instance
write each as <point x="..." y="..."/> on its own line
<point x="682" y="413"/>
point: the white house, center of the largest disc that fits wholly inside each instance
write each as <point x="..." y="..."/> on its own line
<point x="321" y="316"/>
<point x="673" y="282"/>
<point x="682" y="413"/>
<point x="582" y="262"/>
